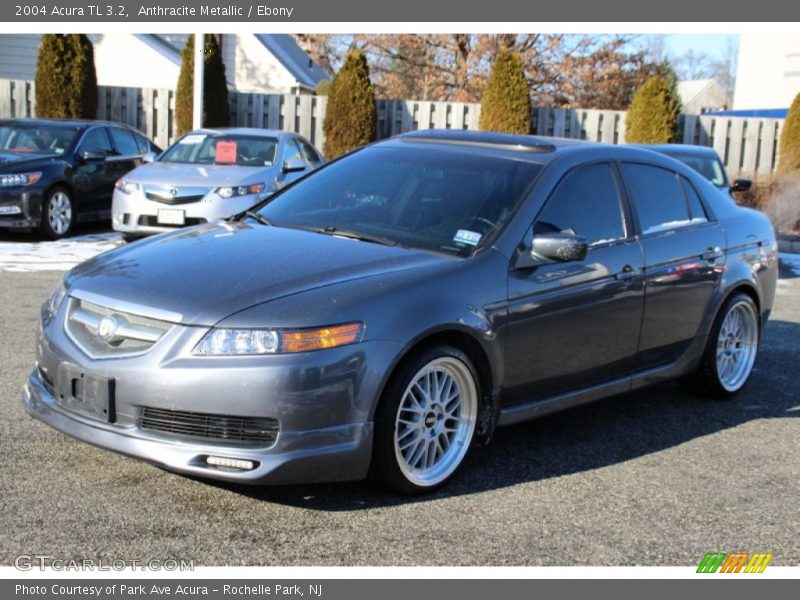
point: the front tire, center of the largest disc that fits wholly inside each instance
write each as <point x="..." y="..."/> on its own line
<point x="58" y="214"/>
<point x="730" y="350"/>
<point x="425" y="421"/>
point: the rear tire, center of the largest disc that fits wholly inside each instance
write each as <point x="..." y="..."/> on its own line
<point x="58" y="213"/>
<point x="730" y="351"/>
<point x="425" y="421"/>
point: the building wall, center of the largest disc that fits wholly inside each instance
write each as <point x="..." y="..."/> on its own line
<point x="713" y="98"/>
<point x="251" y="68"/>
<point x="18" y="55"/>
<point x="123" y="60"/>
<point x="768" y="71"/>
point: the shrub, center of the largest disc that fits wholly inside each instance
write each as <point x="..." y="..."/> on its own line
<point x="52" y="76"/>
<point x="790" y="140"/>
<point x="323" y="87"/>
<point x="82" y="97"/>
<point x="66" y="80"/>
<point x="506" y="100"/>
<point x="351" y="116"/>
<point x="216" y="112"/>
<point x="653" y="115"/>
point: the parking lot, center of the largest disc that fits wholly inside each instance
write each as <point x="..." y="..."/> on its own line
<point x="656" y="477"/>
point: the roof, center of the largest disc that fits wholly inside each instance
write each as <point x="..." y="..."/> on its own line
<point x="243" y="131"/>
<point x="508" y="141"/>
<point x="160" y="45"/>
<point x="285" y="49"/>
<point x="683" y="149"/>
<point x="690" y="89"/>
<point x="65" y="122"/>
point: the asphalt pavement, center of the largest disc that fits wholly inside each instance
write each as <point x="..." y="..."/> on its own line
<point x="656" y="477"/>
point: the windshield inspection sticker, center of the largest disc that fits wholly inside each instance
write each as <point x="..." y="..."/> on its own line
<point x="195" y="138"/>
<point x="465" y="236"/>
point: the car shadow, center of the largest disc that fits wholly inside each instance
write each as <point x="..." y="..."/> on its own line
<point x="590" y="437"/>
<point x="30" y="237"/>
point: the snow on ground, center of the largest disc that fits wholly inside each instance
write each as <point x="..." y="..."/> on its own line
<point x="62" y="255"/>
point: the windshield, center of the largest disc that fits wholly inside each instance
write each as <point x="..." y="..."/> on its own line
<point x="228" y="149"/>
<point x="50" y="139"/>
<point x="708" y="166"/>
<point x="433" y="199"/>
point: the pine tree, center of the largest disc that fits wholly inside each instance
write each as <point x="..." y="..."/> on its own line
<point x="653" y="115"/>
<point x="790" y="140"/>
<point x="52" y="77"/>
<point x="506" y="101"/>
<point x="82" y="97"/>
<point x="351" y="116"/>
<point x="216" y="112"/>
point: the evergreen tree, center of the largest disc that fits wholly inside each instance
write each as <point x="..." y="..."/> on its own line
<point x="790" y="140"/>
<point x="506" y="101"/>
<point x="216" y="112"/>
<point x="653" y="115"/>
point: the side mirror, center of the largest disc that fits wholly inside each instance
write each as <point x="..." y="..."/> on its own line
<point x="741" y="185"/>
<point x="149" y="157"/>
<point x="293" y="165"/>
<point x="560" y="247"/>
<point x="93" y="155"/>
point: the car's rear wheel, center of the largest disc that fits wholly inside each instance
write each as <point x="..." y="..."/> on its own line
<point x="426" y="420"/>
<point x="58" y="213"/>
<point x="731" y="349"/>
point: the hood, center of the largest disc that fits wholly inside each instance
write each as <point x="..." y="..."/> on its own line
<point x="167" y="173"/>
<point x="18" y="160"/>
<point x="209" y="272"/>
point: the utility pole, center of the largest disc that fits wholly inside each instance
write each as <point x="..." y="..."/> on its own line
<point x="199" y="70"/>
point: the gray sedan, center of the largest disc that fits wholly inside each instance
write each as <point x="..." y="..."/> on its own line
<point x="206" y="175"/>
<point x="386" y="313"/>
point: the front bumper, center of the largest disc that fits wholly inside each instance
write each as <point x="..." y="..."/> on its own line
<point x="26" y="204"/>
<point x="135" y="214"/>
<point x="324" y="402"/>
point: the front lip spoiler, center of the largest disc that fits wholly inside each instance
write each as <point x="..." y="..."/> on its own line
<point x="338" y="453"/>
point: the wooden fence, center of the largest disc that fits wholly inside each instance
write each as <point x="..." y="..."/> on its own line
<point x="747" y="146"/>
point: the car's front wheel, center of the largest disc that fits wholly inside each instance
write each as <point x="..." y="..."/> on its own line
<point x="58" y="213"/>
<point x="426" y="420"/>
<point x="731" y="349"/>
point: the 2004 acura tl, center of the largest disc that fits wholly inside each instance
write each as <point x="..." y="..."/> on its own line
<point x="386" y="312"/>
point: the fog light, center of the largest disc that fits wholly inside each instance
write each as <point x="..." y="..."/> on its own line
<point x="230" y="463"/>
<point x="10" y="210"/>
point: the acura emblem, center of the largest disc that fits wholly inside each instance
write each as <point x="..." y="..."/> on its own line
<point x="173" y="192"/>
<point x="107" y="329"/>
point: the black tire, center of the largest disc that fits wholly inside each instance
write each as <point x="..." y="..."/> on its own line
<point x="130" y="237"/>
<point x="59" y="222"/>
<point x="707" y="381"/>
<point x="385" y="468"/>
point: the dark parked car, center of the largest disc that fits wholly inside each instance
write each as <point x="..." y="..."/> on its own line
<point x="394" y="307"/>
<point x="705" y="161"/>
<point x="55" y="173"/>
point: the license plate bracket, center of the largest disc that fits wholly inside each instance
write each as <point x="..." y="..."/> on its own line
<point x="85" y="394"/>
<point x="171" y="216"/>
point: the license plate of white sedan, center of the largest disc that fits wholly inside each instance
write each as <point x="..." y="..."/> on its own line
<point x="168" y="216"/>
<point x="86" y="394"/>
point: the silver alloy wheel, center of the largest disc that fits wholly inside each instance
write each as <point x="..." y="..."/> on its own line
<point x="435" y="421"/>
<point x="737" y="344"/>
<point x="59" y="212"/>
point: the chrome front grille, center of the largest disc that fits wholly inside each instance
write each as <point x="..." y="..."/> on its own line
<point x="175" y="195"/>
<point x="257" y="431"/>
<point x="104" y="332"/>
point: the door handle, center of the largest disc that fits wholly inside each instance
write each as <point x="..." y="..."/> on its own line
<point x="712" y="253"/>
<point x="627" y="273"/>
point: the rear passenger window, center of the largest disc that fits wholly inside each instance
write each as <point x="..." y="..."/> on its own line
<point x="308" y="152"/>
<point x="696" y="210"/>
<point x="587" y="203"/>
<point x="657" y="197"/>
<point x="124" y="142"/>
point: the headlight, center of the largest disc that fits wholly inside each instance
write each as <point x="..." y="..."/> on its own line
<point x="20" y="179"/>
<point x="126" y="187"/>
<point x="242" y="342"/>
<point x="240" y="190"/>
<point x="54" y="302"/>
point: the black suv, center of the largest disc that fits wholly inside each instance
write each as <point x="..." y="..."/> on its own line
<point x="54" y="173"/>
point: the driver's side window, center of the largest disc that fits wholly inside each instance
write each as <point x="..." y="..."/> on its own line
<point x="96" y="140"/>
<point x="586" y="202"/>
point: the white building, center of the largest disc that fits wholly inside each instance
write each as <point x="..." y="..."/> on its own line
<point x="768" y="71"/>
<point x="699" y="96"/>
<point x="267" y="64"/>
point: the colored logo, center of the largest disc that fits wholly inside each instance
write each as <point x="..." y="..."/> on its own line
<point x="737" y="562"/>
